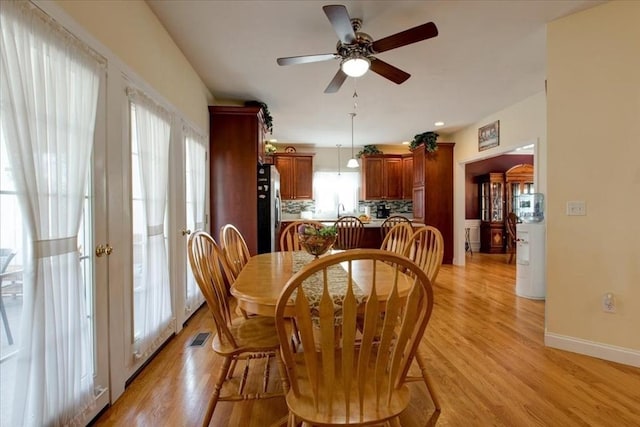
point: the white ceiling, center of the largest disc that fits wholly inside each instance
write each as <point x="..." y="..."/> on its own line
<point x="488" y="55"/>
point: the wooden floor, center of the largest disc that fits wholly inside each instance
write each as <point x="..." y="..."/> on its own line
<point x="488" y="362"/>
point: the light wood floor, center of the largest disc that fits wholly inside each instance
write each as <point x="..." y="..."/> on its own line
<point x="488" y="361"/>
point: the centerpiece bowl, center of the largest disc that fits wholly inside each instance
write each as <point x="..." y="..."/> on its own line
<point x="316" y="240"/>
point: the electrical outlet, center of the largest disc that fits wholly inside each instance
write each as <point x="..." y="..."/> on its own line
<point x="608" y="303"/>
<point x="576" y="208"/>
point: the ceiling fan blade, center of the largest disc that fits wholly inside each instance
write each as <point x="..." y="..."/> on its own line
<point x="339" y="18"/>
<point x="403" y="38"/>
<point x="336" y="82"/>
<point x="291" y="60"/>
<point x="388" y="71"/>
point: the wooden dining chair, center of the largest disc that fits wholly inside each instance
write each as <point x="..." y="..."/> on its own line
<point x="426" y="249"/>
<point x="289" y="236"/>
<point x="397" y="238"/>
<point x="236" y="338"/>
<point x="390" y="222"/>
<point x="350" y="230"/>
<point x="345" y="375"/>
<point x="235" y="248"/>
<point x="512" y="220"/>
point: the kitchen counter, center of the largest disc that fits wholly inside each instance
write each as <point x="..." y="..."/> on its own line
<point x="373" y="223"/>
<point x="371" y="238"/>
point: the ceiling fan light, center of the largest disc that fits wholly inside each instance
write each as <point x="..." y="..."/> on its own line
<point x="353" y="163"/>
<point x="355" y="66"/>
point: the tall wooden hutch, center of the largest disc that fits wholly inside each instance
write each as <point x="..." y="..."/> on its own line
<point x="236" y="139"/>
<point x="433" y="191"/>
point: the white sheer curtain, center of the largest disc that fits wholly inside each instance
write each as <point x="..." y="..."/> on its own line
<point x="331" y="189"/>
<point x="49" y="84"/>
<point x="151" y="134"/>
<point x="196" y="174"/>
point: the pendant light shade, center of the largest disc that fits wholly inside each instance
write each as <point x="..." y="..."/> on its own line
<point x="353" y="162"/>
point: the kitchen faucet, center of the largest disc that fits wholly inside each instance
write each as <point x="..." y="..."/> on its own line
<point x="340" y="204"/>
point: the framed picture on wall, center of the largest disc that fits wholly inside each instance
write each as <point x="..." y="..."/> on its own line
<point x="489" y="136"/>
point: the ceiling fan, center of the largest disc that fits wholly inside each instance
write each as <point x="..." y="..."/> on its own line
<point x="355" y="49"/>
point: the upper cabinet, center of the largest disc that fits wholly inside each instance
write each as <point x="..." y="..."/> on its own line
<point x="382" y="177"/>
<point x="407" y="177"/>
<point x="296" y="175"/>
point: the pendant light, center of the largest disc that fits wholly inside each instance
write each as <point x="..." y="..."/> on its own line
<point x="338" y="145"/>
<point x="353" y="162"/>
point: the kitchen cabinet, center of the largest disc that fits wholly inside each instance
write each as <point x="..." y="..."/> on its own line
<point x="236" y="139"/>
<point x="492" y="212"/>
<point x="381" y="177"/>
<point x="433" y="191"/>
<point x="407" y="177"/>
<point x="296" y="175"/>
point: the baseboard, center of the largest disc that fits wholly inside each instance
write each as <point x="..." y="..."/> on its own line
<point x="626" y="356"/>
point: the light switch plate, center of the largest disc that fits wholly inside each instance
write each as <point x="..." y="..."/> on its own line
<point x="577" y="207"/>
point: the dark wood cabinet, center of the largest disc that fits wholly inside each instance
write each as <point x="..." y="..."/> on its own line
<point x="296" y="175"/>
<point x="492" y="212"/>
<point x="236" y="139"/>
<point x="433" y="191"/>
<point x="407" y="177"/>
<point x="381" y="177"/>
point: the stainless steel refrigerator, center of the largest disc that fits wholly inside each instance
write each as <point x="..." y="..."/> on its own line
<point x="268" y="208"/>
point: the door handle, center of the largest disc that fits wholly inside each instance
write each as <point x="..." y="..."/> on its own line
<point x="103" y="250"/>
<point x="186" y="232"/>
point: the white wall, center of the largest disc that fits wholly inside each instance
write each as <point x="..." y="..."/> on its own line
<point x="594" y="156"/>
<point x="133" y="33"/>
<point x="520" y="124"/>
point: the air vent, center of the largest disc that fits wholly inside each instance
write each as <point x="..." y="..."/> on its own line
<point x="200" y="339"/>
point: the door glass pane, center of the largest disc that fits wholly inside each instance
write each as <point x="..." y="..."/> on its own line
<point x="85" y="248"/>
<point x="11" y="299"/>
<point x="497" y="202"/>
<point x="195" y="170"/>
<point x="484" y="201"/>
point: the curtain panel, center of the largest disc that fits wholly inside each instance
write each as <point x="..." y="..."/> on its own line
<point x="151" y="135"/>
<point x="50" y="84"/>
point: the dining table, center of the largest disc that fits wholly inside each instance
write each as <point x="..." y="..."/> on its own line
<point x="262" y="279"/>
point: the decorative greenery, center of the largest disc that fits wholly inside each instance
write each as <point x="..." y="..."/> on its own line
<point x="270" y="148"/>
<point x="368" y="149"/>
<point x="328" y="231"/>
<point x="316" y="230"/>
<point x="427" y="138"/>
<point x="268" y="120"/>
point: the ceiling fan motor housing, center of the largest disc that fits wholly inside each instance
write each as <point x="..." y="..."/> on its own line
<point x="360" y="47"/>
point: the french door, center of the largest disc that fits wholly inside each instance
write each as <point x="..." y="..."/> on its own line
<point x="15" y="261"/>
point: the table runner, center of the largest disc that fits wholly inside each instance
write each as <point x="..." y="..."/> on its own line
<point x="313" y="286"/>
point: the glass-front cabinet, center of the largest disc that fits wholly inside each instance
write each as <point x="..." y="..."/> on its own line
<point x="492" y="212"/>
<point x="519" y="181"/>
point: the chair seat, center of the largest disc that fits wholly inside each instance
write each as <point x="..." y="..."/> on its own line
<point x="303" y="406"/>
<point x="254" y="334"/>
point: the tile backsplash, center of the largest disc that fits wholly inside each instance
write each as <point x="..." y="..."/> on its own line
<point x="292" y="207"/>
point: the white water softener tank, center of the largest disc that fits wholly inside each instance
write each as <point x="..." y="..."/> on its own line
<point x="530" y="260"/>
